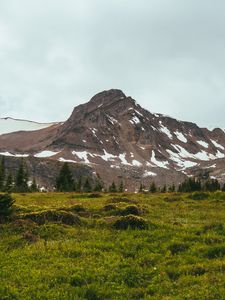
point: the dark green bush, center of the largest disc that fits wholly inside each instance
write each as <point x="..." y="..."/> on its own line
<point x="178" y="247"/>
<point x="197" y="270"/>
<point x="94" y="195"/>
<point x="131" y="210"/>
<point x="130" y="221"/>
<point x="60" y="216"/>
<point x="77" y="208"/>
<point x="199" y="196"/>
<point x="121" y="199"/>
<point x="215" y="252"/>
<point x="6" y="204"/>
<point x="173" y="273"/>
<point x="110" y="207"/>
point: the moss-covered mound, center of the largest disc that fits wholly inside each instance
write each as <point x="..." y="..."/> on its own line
<point x="130" y="221"/>
<point x="58" y="216"/>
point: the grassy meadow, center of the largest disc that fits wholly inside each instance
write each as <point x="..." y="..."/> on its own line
<point x="114" y="246"/>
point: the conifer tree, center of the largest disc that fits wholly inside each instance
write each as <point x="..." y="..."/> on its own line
<point x="21" y="179"/>
<point x="98" y="186"/>
<point x="223" y="187"/>
<point x="78" y="185"/>
<point x="121" y="187"/>
<point x="153" y="188"/>
<point x="64" y="181"/>
<point x="164" y="189"/>
<point x="172" y="188"/>
<point x="113" y="188"/>
<point x="34" y="187"/>
<point x="2" y="174"/>
<point x="9" y="183"/>
<point x="87" y="186"/>
<point x="141" y="188"/>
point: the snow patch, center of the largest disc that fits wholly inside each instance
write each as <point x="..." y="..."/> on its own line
<point x="217" y="145"/>
<point x="135" y="120"/>
<point x="180" y="136"/>
<point x="161" y="164"/>
<point x="122" y="157"/>
<point x="136" y="163"/>
<point x="149" y="173"/>
<point x="165" y="130"/>
<point x="203" y="144"/>
<point x="45" y="153"/>
<point x="13" y="155"/>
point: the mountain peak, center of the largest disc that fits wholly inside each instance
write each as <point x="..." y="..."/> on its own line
<point x="107" y="97"/>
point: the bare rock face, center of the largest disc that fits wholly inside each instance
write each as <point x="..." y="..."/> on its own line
<point x="120" y="140"/>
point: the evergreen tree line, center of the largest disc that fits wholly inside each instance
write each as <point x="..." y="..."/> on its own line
<point x="65" y="182"/>
<point x="189" y="185"/>
<point x="17" y="182"/>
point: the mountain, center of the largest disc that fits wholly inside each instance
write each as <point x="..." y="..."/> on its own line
<point x="120" y="140"/>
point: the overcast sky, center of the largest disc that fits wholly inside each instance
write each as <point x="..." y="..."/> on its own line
<point x="166" y="54"/>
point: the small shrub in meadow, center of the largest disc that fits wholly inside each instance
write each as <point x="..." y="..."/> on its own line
<point x="199" y="196"/>
<point x="178" y="247"/>
<point x="94" y="195"/>
<point x="215" y="252"/>
<point x="130" y="221"/>
<point x="61" y="216"/>
<point x="77" y="208"/>
<point x="131" y="210"/>
<point x="6" y="204"/>
<point x="121" y="199"/>
<point x="110" y="207"/>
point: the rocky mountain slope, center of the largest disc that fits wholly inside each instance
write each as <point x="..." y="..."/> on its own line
<point x="119" y="139"/>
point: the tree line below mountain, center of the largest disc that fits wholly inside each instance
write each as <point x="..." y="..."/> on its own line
<point x="20" y="182"/>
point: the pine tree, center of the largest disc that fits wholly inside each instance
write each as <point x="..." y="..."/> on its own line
<point x="21" y="185"/>
<point x="9" y="183"/>
<point x="34" y="187"/>
<point x="113" y="188"/>
<point x="172" y="188"/>
<point x="98" y="186"/>
<point x="78" y="185"/>
<point x="2" y="174"/>
<point x="64" y="181"/>
<point x="121" y="187"/>
<point x="223" y="187"/>
<point x="87" y="186"/>
<point x="164" y="189"/>
<point x="141" y="188"/>
<point x="153" y="188"/>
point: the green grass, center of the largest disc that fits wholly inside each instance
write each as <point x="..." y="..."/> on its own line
<point x="72" y="249"/>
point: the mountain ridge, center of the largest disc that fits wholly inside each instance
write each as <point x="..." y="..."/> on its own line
<point x="121" y="140"/>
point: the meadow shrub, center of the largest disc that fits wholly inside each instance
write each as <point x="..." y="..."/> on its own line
<point x="173" y="198"/>
<point x="94" y="195"/>
<point x="215" y="252"/>
<point x="30" y="237"/>
<point x="173" y="273"/>
<point x="197" y="270"/>
<point x="199" y="196"/>
<point x="178" y="247"/>
<point x="6" y="204"/>
<point x="61" y="216"/>
<point x="109" y="207"/>
<point x="121" y="199"/>
<point x="130" y="221"/>
<point x="77" y="208"/>
<point x="131" y="210"/>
